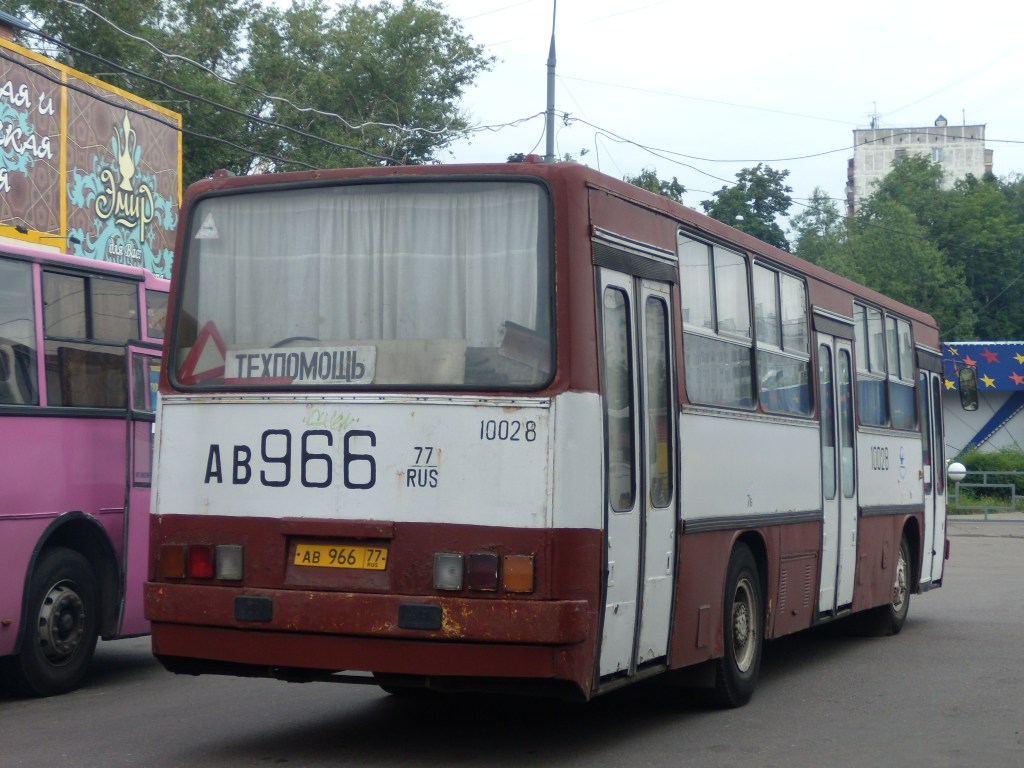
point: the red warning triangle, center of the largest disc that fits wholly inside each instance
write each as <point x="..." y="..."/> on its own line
<point x="206" y="360"/>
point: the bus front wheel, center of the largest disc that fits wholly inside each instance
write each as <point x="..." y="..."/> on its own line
<point x="736" y="672"/>
<point x="888" y="619"/>
<point x="61" y="629"/>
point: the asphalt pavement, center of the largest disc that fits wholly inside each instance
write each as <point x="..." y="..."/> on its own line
<point x="1000" y="525"/>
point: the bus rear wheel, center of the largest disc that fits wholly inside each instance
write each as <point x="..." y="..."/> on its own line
<point x="743" y="629"/>
<point x="61" y="628"/>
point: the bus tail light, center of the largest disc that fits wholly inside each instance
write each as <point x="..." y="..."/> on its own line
<point x="448" y="568"/>
<point x="484" y="572"/>
<point x="172" y="561"/>
<point x="200" y="561"/>
<point x="229" y="562"/>
<point x="517" y="573"/>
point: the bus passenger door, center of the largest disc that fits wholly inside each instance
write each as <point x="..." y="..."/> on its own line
<point x="838" y="475"/>
<point x="640" y="514"/>
<point x="144" y="371"/>
<point x="929" y="393"/>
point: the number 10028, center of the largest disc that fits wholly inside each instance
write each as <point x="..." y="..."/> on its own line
<point x="510" y="430"/>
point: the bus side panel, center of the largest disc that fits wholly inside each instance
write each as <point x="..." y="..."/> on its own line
<point x="737" y="475"/>
<point x="890" y="468"/>
<point x="74" y="465"/>
<point x="736" y="466"/>
<point x="878" y="548"/>
<point x="577" y="440"/>
<point x="697" y="618"/>
<point x="798" y="579"/>
<point x="789" y="558"/>
<point x="18" y="539"/>
<point x="891" y="494"/>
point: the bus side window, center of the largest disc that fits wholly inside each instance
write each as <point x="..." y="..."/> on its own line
<point x="17" y="344"/>
<point x="618" y="395"/>
<point x="156" y="314"/>
<point x="91" y="378"/>
<point x="87" y="321"/>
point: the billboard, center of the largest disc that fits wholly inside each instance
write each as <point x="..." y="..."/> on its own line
<point x="85" y="166"/>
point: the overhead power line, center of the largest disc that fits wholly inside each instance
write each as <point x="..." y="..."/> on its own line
<point x="129" y="107"/>
<point x="447" y="132"/>
<point x="211" y="102"/>
<point x="666" y="154"/>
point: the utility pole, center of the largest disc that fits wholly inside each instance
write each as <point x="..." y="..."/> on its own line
<point x="549" y="153"/>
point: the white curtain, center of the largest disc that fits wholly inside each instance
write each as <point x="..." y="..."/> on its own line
<point x="448" y="260"/>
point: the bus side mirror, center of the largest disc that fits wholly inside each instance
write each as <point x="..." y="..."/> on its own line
<point x="968" y="379"/>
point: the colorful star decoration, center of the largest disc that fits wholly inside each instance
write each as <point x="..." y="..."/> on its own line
<point x="1000" y="364"/>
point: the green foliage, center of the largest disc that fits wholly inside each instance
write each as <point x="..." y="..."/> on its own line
<point x="370" y="70"/>
<point x="205" y="31"/>
<point x="955" y="253"/>
<point x="648" y="179"/>
<point x="889" y="250"/>
<point x="984" y="237"/>
<point x="313" y="85"/>
<point x="1003" y="460"/>
<point x="759" y="197"/>
<point x="916" y="182"/>
<point x="820" y="229"/>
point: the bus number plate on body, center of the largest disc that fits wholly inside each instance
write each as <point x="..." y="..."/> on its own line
<point x="341" y="556"/>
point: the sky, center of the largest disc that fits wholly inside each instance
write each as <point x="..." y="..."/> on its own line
<point x="701" y="90"/>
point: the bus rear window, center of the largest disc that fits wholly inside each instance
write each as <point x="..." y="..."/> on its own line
<point x="396" y="285"/>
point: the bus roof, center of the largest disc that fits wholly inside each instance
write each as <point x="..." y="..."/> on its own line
<point x="565" y="174"/>
<point x="29" y="252"/>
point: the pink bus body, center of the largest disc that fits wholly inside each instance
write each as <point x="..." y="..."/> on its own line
<point x="79" y="356"/>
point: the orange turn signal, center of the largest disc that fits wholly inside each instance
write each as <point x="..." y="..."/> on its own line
<point x="517" y="573"/>
<point x="172" y="561"/>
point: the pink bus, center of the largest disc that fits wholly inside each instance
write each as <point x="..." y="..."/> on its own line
<point x="79" y="359"/>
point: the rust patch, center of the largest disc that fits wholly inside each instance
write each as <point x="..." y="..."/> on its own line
<point x="452" y="624"/>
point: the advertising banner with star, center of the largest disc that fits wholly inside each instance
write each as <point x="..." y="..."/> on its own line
<point x="1000" y="371"/>
<point x="86" y="167"/>
<point x="1000" y="364"/>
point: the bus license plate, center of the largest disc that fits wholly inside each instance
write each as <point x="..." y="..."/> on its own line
<point x="341" y="556"/>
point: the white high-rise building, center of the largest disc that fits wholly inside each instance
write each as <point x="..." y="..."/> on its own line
<point x="959" y="149"/>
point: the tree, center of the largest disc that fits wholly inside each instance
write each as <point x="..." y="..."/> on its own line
<point x="888" y="250"/>
<point x="267" y="89"/>
<point x="753" y="204"/>
<point x="979" y="225"/>
<point x="984" y="237"/>
<point x="381" y="79"/>
<point x="207" y="32"/>
<point x="648" y="179"/>
<point x="820" y="229"/>
<point x="915" y="182"/>
<point x="955" y="253"/>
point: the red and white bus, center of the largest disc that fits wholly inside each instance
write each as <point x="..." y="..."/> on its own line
<point x="524" y="426"/>
<point x="80" y="348"/>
